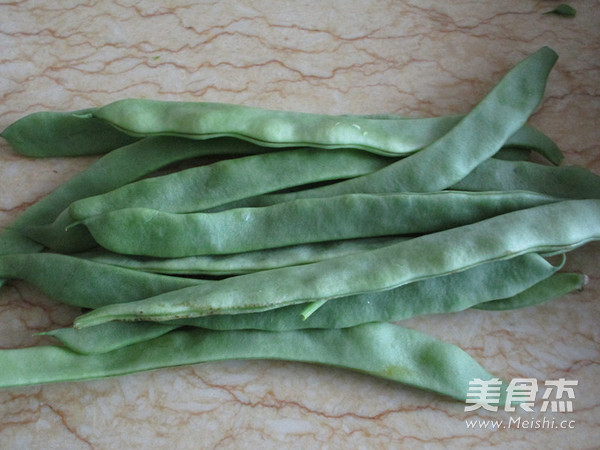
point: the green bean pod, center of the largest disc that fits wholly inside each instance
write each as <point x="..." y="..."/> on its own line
<point x="560" y="226"/>
<point x="477" y="137"/>
<point x="549" y="289"/>
<point x="87" y="284"/>
<point x="228" y="181"/>
<point x="48" y="218"/>
<point x="53" y="134"/>
<point x="272" y="128"/>
<point x="382" y="350"/>
<point x="205" y="187"/>
<point x="513" y="154"/>
<point x="567" y="181"/>
<point x="142" y="231"/>
<point x="438" y="295"/>
<point x="240" y="263"/>
<point x="108" y="336"/>
<point x="141" y="117"/>
<point x="75" y="133"/>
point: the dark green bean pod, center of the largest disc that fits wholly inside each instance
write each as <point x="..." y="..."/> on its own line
<point x="513" y="154"/>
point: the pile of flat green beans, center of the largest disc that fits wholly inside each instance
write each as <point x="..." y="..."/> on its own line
<point x="214" y="231"/>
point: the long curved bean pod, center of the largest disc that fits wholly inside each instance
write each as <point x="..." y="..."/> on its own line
<point x="502" y="112"/>
<point x="382" y="350"/>
<point x="85" y="283"/>
<point x="489" y="282"/>
<point x="567" y="181"/>
<point x="46" y="220"/>
<point x="205" y="187"/>
<point x="551" y="288"/>
<point x="109" y="172"/>
<point x="113" y="170"/>
<point x="140" y="117"/>
<point x="272" y="128"/>
<point x="526" y="138"/>
<point x="558" y="226"/>
<point x="137" y="231"/>
<point x="476" y="138"/>
<point x="225" y="182"/>
<point x="445" y="294"/>
<point x="240" y="263"/>
<point x="52" y="134"/>
<point x="75" y="133"/>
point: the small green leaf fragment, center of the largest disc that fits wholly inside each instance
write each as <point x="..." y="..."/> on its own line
<point x="563" y="10"/>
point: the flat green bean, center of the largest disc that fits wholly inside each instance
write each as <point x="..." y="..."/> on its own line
<point x="527" y="138"/>
<point x="382" y="350"/>
<point x="272" y="128"/>
<point x="567" y="181"/>
<point x="488" y="282"/>
<point x="107" y="173"/>
<point x="45" y="221"/>
<point x="439" y="295"/>
<point x="53" y="134"/>
<point x="142" y="231"/>
<point x="513" y="154"/>
<point x="240" y="263"/>
<point x="551" y="288"/>
<point x="87" y="284"/>
<point x="141" y="117"/>
<point x="108" y="336"/>
<point x="205" y="187"/>
<point x="477" y="137"/>
<point x="76" y="133"/>
<point x="560" y="226"/>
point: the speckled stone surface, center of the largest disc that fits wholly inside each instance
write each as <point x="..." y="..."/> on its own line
<point x="419" y="58"/>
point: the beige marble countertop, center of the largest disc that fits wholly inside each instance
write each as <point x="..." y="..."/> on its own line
<point x="419" y="58"/>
